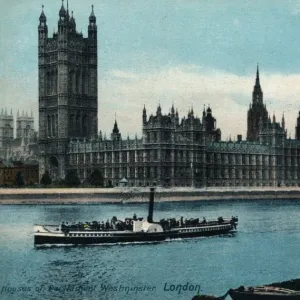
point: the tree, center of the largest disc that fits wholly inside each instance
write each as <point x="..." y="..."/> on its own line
<point x="96" y="178"/>
<point x="71" y="178"/>
<point x="46" y="179"/>
<point x="19" y="179"/>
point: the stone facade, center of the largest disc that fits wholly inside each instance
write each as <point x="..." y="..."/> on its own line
<point x="68" y="102"/>
<point x="170" y="153"/>
<point x="173" y="151"/>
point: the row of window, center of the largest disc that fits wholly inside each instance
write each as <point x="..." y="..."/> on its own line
<point x="89" y="234"/>
<point x="202" y="229"/>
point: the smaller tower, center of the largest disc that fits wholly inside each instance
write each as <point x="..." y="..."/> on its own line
<point x="158" y="111"/>
<point x="25" y="126"/>
<point x="116" y="135"/>
<point x="144" y="115"/>
<point x="6" y="129"/>
<point x="43" y="28"/>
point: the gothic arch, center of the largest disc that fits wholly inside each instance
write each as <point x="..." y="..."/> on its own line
<point x="78" y="125"/>
<point x="48" y="82"/>
<point x="84" y="125"/>
<point x="49" y="125"/>
<point x="72" y="83"/>
<point x="78" y="85"/>
<point x="53" y="125"/>
<point x="72" y="124"/>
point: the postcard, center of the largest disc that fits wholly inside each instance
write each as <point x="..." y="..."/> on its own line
<point x="149" y="149"/>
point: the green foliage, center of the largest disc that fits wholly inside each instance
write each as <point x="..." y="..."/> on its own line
<point x="46" y="179"/>
<point x="96" y="178"/>
<point x="19" y="179"/>
<point x="72" y="179"/>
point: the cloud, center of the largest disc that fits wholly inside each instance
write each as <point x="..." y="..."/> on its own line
<point x="229" y="96"/>
<point x="124" y="93"/>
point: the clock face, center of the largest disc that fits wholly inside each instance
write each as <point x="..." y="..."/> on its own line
<point x="43" y="24"/>
<point x="62" y="18"/>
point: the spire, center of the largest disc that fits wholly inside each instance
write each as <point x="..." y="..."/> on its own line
<point x="158" y="112"/>
<point x="11" y="112"/>
<point x="43" y="16"/>
<point x="257" y="82"/>
<point x="92" y="16"/>
<point x="62" y="12"/>
<point x="208" y="109"/>
<point x="116" y="129"/>
<point x="283" y="121"/>
<point x="172" y="109"/>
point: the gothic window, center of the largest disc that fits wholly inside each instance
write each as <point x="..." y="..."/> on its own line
<point x="53" y="125"/>
<point x="84" y="83"/>
<point x="49" y="125"/>
<point x="72" y="124"/>
<point x="48" y="83"/>
<point x="56" y="124"/>
<point x="73" y="83"/>
<point x="77" y="125"/>
<point x="124" y="157"/>
<point x="84" y="125"/>
<point x="52" y="82"/>
<point x="154" y="137"/>
<point x="55" y="82"/>
<point x="78" y="81"/>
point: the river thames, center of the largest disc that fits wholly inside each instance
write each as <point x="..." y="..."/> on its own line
<point x="265" y="249"/>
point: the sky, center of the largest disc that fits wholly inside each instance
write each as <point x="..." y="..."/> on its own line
<point x="187" y="52"/>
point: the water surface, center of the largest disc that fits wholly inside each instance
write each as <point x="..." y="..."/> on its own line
<point x="264" y="250"/>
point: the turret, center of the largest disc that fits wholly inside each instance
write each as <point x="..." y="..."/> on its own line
<point x="116" y="136"/>
<point x="158" y="111"/>
<point x="92" y="29"/>
<point x="43" y="28"/>
<point x="63" y="17"/>
<point x="144" y="115"/>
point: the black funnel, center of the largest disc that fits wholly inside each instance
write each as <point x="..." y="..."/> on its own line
<point x="151" y="205"/>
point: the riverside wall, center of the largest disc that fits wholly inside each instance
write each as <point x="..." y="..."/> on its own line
<point x="135" y="195"/>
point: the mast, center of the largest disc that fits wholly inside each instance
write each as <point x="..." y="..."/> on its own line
<point x="151" y="205"/>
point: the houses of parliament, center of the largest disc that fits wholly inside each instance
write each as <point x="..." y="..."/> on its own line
<point x="173" y="150"/>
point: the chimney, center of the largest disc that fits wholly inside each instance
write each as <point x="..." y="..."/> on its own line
<point x="151" y="205"/>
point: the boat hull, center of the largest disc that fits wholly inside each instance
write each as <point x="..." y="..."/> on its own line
<point x="86" y="238"/>
<point x="236" y="295"/>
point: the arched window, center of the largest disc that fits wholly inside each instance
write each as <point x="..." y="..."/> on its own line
<point x="73" y="82"/>
<point x="49" y="125"/>
<point x="48" y="83"/>
<point x="84" y="125"/>
<point x="53" y="125"/>
<point x="77" y="133"/>
<point x="56" y="125"/>
<point x="84" y="82"/>
<point x="55" y="81"/>
<point x="78" y="90"/>
<point x="72" y="125"/>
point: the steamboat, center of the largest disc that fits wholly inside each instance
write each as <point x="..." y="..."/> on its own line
<point x="131" y="230"/>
